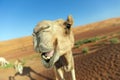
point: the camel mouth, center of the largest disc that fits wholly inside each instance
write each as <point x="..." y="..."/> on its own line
<point x="47" y="56"/>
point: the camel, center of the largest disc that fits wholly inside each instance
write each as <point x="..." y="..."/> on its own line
<point x="3" y="61"/>
<point x="18" y="66"/>
<point x="54" y="41"/>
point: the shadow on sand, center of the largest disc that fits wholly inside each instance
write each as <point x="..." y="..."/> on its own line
<point x="26" y="72"/>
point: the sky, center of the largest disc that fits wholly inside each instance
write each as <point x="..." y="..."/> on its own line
<point x="19" y="17"/>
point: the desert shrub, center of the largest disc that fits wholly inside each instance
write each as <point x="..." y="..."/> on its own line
<point x="103" y="37"/>
<point x="114" y="41"/>
<point x="23" y="61"/>
<point x="118" y="32"/>
<point x="76" y="46"/>
<point x="7" y="66"/>
<point x="95" y="39"/>
<point x="85" y="50"/>
<point x="80" y="42"/>
<point x="85" y="41"/>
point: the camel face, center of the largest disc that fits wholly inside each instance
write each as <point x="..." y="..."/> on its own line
<point x="53" y="39"/>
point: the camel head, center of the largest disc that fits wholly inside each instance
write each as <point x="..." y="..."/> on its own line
<point x="53" y="39"/>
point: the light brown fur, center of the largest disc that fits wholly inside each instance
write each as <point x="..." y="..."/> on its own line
<point x="55" y="36"/>
<point x="18" y="65"/>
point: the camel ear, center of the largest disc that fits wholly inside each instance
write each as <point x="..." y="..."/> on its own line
<point x="68" y="23"/>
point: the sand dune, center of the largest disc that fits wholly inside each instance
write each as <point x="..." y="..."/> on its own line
<point x="102" y="63"/>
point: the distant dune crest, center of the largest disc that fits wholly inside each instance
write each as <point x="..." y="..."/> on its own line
<point x="98" y="25"/>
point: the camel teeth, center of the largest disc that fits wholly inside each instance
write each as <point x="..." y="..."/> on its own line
<point x="44" y="57"/>
<point x="48" y="57"/>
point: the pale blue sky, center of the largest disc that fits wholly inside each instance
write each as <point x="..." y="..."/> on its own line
<point x="19" y="17"/>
